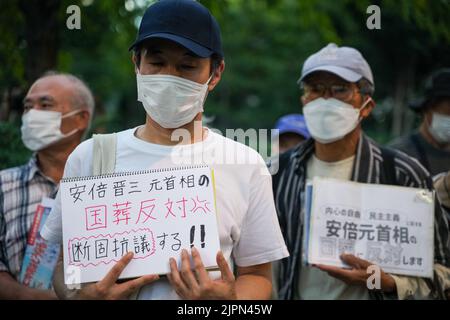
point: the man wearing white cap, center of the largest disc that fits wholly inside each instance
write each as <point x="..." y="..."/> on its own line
<point x="337" y="87"/>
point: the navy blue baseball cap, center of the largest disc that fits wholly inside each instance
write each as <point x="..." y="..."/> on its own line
<point x="186" y="22"/>
<point x="294" y="123"/>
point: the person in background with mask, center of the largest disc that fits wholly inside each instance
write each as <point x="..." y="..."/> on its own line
<point x="57" y="112"/>
<point x="430" y="144"/>
<point x="178" y="59"/>
<point x="292" y="130"/>
<point x="337" y="87"/>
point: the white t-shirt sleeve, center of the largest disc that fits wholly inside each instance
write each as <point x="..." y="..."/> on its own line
<point x="78" y="164"/>
<point x="260" y="240"/>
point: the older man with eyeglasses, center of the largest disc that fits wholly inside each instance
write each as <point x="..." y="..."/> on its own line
<point x="337" y="87"/>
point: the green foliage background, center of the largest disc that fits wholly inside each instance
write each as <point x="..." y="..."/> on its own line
<point x="265" y="44"/>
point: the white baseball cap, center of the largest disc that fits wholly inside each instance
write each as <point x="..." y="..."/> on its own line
<point x="345" y="62"/>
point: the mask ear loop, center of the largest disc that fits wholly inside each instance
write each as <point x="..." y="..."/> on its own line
<point x="364" y="105"/>
<point x="210" y="78"/>
<point x="207" y="91"/>
<point x="206" y="95"/>
<point x="69" y="114"/>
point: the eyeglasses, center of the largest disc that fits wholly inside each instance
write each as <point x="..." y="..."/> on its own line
<point x="338" y="91"/>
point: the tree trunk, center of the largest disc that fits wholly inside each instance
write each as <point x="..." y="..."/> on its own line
<point x="403" y="85"/>
<point x="42" y="36"/>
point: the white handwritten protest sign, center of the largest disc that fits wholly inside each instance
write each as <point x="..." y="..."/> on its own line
<point x="154" y="214"/>
<point x="390" y="226"/>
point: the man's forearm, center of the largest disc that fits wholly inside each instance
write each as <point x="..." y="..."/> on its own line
<point x="60" y="287"/>
<point x="417" y="288"/>
<point x="13" y="290"/>
<point x="253" y="287"/>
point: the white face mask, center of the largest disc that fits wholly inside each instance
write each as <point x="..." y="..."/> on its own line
<point x="329" y="120"/>
<point x="41" y="128"/>
<point x="171" y="101"/>
<point x="440" y="128"/>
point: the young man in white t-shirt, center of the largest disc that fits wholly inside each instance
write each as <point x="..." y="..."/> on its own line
<point x="178" y="59"/>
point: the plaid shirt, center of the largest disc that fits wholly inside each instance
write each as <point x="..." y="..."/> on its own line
<point x="21" y="190"/>
<point x="289" y="185"/>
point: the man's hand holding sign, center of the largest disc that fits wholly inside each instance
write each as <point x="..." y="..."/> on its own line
<point x="359" y="273"/>
<point x="196" y="284"/>
<point x="109" y="289"/>
<point x="352" y="236"/>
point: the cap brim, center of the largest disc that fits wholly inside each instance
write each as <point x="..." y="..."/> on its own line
<point x="298" y="131"/>
<point x="417" y="105"/>
<point x="193" y="46"/>
<point x="420" y="103"/>
<point x="343" y="73"/>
